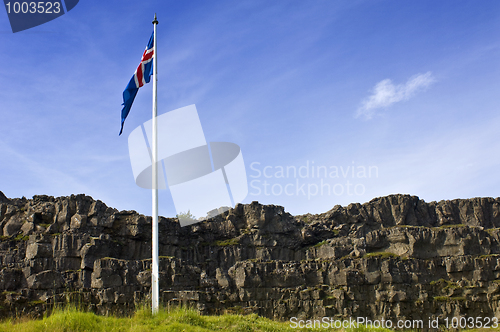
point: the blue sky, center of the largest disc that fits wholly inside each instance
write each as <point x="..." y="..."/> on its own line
<point x="408" y="90"/>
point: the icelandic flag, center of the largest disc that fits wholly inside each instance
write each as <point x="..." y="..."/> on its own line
<point x="141" y="76"/>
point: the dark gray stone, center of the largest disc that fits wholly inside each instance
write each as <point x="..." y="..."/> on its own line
<point x="393" y="257"/>
<point x="45" y="280"/>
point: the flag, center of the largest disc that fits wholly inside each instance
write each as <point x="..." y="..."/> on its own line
<point x="141" y="76"/>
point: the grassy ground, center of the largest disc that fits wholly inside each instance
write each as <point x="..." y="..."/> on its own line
<point x="73" y="320"/>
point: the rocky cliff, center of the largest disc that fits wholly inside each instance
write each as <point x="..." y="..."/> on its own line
<point x="393" y="257"/>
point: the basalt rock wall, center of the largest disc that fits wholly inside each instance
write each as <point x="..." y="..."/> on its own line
<point x="393" y="257"/>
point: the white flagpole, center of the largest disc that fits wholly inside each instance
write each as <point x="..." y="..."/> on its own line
<point x="155" y="291"/>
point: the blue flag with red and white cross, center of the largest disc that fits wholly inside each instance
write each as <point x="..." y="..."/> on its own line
<point x="141" y="76"/>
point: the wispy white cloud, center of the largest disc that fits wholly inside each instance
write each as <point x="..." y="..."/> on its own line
<point x="437" y="167"/>
<point x="385" y="93"/>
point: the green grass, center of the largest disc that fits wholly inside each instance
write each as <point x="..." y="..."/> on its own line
<point x="447" y="298"/>
<point x="450" y="226"/>
<point x="441" y="298"/>
<point x="225" y="243"/>
<point x="319" y="244"/>
<point x="489" y="255"/>
<point x="381" y="254"/>
<point x="445" y="284"/>
<point x="21" y="237"/>
<point x="179" y="319"/>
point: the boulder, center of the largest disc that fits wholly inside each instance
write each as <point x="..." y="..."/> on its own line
<point x="13" y="225"/>
<point x="45" y="280"/>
